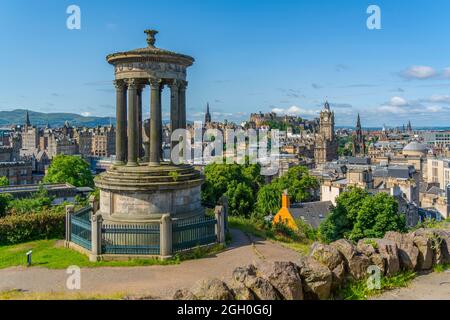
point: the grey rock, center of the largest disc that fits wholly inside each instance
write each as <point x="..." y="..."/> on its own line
<point x="408" y="253"/>
<point x="330" y="257"/>
<point x="184" y="294"/>
<point x="260" y="287"/>
<point x="356" y="263"/>
<point x="241" y="292"/>
<point x="424" y="244"/>
<point x="212" y="289"/>
<point x="284" y="277"/>
<point x="317" y="279"/>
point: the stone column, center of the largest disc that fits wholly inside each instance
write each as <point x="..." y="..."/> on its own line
<point x="121" y="122"/>
<point x="165" y="240"/>
<point x="96" y="237"/>
<point x="182" y="104"/>
<point x="139" y="119"/>
<point x="132" y="123"/>
<point x="70" y="209"/>
<point x="174" y="107"/>
<point x="155" y="139"/>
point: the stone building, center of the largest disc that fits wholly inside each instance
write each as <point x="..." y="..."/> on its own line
<point x="325" y="141"/>
<point x="103" y="141"/>
<point x="83" y="137"/>
<point x="17" y="172"/>
<point x="59" y="143"/>
<point x="30" y="138"/>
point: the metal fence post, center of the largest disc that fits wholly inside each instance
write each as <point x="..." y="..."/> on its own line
<point x="220" y="223"/>
<point x="70" y="209"/>
<point x="165" y="240"/>
<point x="96" y="237"/>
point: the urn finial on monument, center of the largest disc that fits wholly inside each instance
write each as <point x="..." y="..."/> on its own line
<point x="151" y="37"/>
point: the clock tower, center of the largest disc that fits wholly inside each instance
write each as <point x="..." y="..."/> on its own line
<point x="325" y="141"/>
<point x="327" y="122"/>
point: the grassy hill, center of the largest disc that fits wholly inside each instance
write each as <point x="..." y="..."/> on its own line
<point x="40" y="119"/>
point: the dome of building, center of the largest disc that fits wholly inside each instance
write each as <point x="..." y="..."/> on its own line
<point x="415" y="148"/>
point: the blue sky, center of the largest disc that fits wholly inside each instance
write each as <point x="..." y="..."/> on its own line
<point x="251" y="55"/>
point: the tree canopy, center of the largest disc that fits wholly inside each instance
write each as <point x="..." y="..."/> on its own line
<point x="238" y="182"/>
<point x="299" y="183"/>
<point x="69" y="169"/>
<point x="359" y="215"/>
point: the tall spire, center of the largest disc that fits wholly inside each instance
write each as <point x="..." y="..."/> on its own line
<point x="327" y="105"/>
<point x="27" y="121"/>
<point x="207" y="115"/>
<point x="358" y="122"/>
<point x="409" y="128"/>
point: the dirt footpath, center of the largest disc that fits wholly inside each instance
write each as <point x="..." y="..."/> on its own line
<point x="155" y="281"/>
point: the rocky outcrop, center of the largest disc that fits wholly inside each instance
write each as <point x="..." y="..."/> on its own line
<point x="332" y="259"/>
<point x="184" y="294"/>
<point x="356" y="263"/>
<point x="260" y="287"/>
<point x="316" y="277"/>
<point x="444" y="236"/>
<point x="320" y="274"/>
<point x="212" y="289"/>
<point x="408" y="253"/>
<point x="284" y="277"/>
<point x="382" y="253"/>
<point x="241" y="292"/>
<point x="423" y="242"/>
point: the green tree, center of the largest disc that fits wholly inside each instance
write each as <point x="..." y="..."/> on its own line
<point x="240" y="183"/>
<point x="4" y="181"/>
<point x="377" y="215"/>
<point x="240" y="199"/>
<point x="299" y="183"/>
<point x="268" y="200"/>
<point x="69" y="169"/>
<point x="358" y="215"/>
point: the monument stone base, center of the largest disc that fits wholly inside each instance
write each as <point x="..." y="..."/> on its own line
<point x="143" y="194"/>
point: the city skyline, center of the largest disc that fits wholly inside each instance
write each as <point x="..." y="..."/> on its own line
<point x="292" y="57"/>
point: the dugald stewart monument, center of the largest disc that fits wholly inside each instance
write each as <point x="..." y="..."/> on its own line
<point x="147" y="206"/>
<point x="140" y="191"/>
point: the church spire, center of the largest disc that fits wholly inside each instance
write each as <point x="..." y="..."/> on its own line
<point x="207" y="115"/>
<point x="358" y="122"/>
<point x="27" y="120"/>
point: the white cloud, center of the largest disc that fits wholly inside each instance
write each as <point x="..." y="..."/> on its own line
<point x="399" y="105"/>
<point x="419" y="72"/>
<point x="398" y="102"/>
<point x="86" y="114"/>
<point x="440" y="98"/>
<point x="295" y="111"/>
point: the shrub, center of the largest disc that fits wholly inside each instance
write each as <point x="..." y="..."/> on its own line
<point x="34" y="226"/>
<point x="306" y="229"/>
<point x="5" y="199"/>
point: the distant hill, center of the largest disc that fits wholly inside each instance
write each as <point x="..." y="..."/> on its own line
<point x="40" y="119"/>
